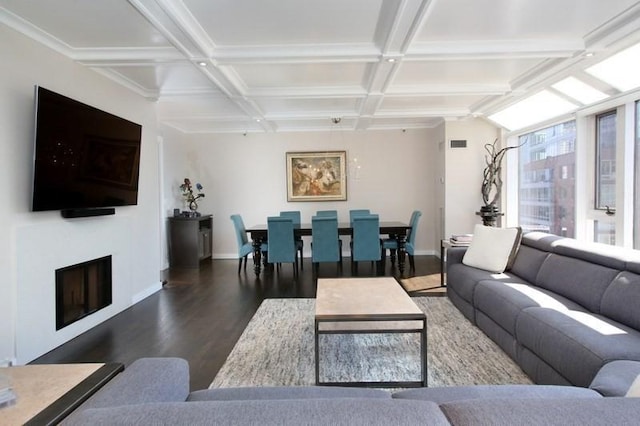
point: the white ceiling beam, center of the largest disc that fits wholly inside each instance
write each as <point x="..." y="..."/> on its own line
<point x="152" y="11"/>
<point x="502" y="49"/>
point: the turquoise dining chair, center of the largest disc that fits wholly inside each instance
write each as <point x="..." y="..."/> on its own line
<point x="365" y="244"/>
<point x="391" y="244"/>
<point x="357" y="212"/>
<point x="333" y="213"/>
<point x="295" y="217"/>
<point x="353" y="213"/>
<point x="244" y="245"/>
<point x="326" y="245"/>
<point x="282" y="246"/>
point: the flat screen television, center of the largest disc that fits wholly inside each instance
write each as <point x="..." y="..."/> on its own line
<point x="84" y="158"/>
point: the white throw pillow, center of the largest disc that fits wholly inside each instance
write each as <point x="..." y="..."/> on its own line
<point x="491" y="248"/>
<point x="634" y="390"/>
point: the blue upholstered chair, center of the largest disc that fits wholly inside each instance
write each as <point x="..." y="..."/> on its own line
<point x="244" y="245"/>
<point x="365" y="244"/>
<point x="282" y="246"/>
<point x="295" y="217"/>
<point x="333" y="213"/>
<point x="326" y="245"/>
<point x="353" y="213"/>
<point x="392" y="244"/>
<point x="357" y="212"/>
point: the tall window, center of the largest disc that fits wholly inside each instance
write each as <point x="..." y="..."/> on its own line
<point x="606" y="161"/>
<point x="636" y="230"/>
<point x="546" y="190"/>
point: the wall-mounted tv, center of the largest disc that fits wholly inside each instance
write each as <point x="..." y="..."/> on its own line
<point x="84" y="158"/>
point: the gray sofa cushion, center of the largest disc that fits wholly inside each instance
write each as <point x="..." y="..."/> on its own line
<point x="463" y="279"/>
<point x="503" y="301"/>
<point x="344" y="411"/>
<point x="527" y="263"/>
<point x="544" y="412"/>
<point x="285" y="392"/>
<point x="540" y="240"/>
<point x="577" y="344"/>
<point x="616" y="377"/>
<point x="621" y="300"/>
<point x="578" y="280"/>
<point x="601" y="254"/>
<point x="442" y="395"/>
<point x="145" y="380"/>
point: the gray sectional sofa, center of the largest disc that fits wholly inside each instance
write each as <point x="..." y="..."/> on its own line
<point x="155" y="391"/>
<point x="567" y="312"/>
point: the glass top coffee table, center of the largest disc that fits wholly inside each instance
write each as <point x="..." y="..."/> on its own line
<point x="368" y="306"/>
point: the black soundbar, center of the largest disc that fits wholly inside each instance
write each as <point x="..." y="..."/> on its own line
<point x="74" y="213"/>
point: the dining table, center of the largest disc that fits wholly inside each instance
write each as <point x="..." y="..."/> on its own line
<point x="394" y="229"/>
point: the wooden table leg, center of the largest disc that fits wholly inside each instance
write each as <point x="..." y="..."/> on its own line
<point x="257" y="255"/>
<point x="402" y="238"/>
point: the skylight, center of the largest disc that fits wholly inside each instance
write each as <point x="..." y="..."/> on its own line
<point x="579" y="90"/>
<point x="620" y="70"/>
<point x="539" y="107"/>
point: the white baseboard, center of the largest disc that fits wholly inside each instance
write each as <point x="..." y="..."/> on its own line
<point x="146" y="292"/>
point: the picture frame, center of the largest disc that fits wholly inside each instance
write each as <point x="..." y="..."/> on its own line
<point x="316" y="176"/>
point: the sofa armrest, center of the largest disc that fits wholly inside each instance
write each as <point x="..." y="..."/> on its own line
<point x="455" y="255"/>
<point x="615" y="378"/>
<point x="145" y="380"/>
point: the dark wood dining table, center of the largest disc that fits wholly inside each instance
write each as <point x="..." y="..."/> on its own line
<point x="394" y="229"/>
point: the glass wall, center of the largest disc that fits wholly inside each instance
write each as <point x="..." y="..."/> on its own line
<point x="547" y="180"/>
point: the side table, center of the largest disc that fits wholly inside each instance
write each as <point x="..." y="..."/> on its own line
<point x="444" y="245"/>
<point x="47" y="393"/>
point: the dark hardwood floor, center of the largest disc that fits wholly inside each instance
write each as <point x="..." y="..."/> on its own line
<point x="200" y="314"/>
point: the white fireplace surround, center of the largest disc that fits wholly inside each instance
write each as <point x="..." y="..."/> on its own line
<point x="68" y="242"/>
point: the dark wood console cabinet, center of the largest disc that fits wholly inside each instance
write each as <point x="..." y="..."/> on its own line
<point x="189" y="240"/>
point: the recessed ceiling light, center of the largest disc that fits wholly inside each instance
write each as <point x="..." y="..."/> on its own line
<point x="202" y="64"/>
<point x="391" y="60"/>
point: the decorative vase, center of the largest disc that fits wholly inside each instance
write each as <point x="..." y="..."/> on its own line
<point x="489" y="214"/>
<point x="193" y="206"/>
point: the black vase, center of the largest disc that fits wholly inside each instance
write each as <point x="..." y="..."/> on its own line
<point x="489" y="214"/>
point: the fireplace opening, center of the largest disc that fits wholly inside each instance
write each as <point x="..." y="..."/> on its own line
<point x="82" y="289"/>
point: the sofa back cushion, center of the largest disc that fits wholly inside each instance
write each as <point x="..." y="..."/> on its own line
<point x="602" y="254"/>
<point x="527" y="262"/>
<point x="581" y="281"/>
<point x="621" y="300"/>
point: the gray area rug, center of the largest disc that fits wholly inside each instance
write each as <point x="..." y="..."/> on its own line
<point x="277" y="349"/>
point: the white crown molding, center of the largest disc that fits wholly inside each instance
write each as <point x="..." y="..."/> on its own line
<point x="151" y="94"/>
<point x="28" y="29"/>
<point x="108" y="56"/>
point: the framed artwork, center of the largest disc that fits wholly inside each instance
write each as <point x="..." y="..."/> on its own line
<point x="316" y="176"/>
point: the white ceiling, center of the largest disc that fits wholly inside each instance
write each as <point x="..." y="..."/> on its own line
<point x="285" y="65"/>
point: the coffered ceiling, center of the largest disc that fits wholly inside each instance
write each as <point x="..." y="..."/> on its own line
<point x="294" y="65"/>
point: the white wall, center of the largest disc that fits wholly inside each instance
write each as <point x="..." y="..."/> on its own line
<point x="246" y="175"/>
<point x="33" y="245"/>
<point x="464" y="167"/>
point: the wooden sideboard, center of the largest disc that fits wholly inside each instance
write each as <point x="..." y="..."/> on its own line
<point x="189" y="240"/>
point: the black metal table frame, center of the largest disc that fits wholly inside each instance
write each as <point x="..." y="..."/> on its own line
<point x="387" y="318"/>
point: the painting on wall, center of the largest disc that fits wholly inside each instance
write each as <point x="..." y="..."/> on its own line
<point x="316" y="176"/>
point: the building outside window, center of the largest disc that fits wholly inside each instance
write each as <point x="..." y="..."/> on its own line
<point x="546" y="189"/>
